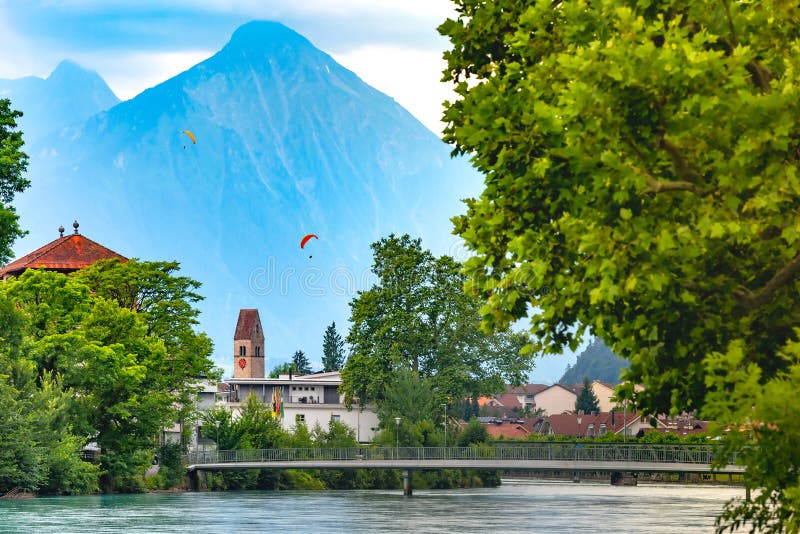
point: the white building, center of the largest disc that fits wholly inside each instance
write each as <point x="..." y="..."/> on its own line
<point x="555" y="399"/>
<point x="313" y="399"/>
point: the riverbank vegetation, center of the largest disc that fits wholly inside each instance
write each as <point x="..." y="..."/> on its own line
<point x="107" y="355"/>
<point x="256" y="428"/>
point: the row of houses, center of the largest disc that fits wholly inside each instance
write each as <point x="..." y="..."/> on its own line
<point x="577" y="425"/>
<point x="542" y="399"/>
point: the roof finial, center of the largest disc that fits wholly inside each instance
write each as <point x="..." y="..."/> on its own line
<point x="75" y="225"/>
<point x="61" y="231"/>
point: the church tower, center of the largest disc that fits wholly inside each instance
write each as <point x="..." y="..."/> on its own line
<point x="248" y="346"/>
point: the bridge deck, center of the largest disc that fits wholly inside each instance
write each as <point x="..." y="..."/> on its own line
<point x="538" y="456"/>
<point x="506" y="465"/>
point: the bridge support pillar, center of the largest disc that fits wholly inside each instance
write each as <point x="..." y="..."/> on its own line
<point x="196" y="480"/>
<point x="407" y="479"/>
<point x="623" y="479"/>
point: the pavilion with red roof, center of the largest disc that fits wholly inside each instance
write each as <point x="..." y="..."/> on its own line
<point x="66" y="254"/>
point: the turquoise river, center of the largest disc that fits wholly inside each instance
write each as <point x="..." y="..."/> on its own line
<point x="519" y="505"/>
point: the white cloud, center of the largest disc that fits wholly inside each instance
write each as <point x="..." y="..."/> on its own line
<point x="128" y="74"/>
<point x="16" y="60"/>
<point x="410" y="76"/>
<point x="426" y="8"/>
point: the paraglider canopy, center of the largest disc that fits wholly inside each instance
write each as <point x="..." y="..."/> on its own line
<point x="305" y="240"/>
<point x="191" y="136"/>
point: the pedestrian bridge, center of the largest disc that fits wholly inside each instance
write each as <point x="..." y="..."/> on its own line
<point x="544" y="456"/>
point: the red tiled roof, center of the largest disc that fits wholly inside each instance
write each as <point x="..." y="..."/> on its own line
<point x="509" y="401"/>
<point x="506" y="430"/>
<point x="526" y="389"/>
<point x="248" y="317"/>
<point x="566" y="424"/>
<point x="68" y="253"/>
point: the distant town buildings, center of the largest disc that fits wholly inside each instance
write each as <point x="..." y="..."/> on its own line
<point x="542" y="399"/>
<point x="306" y="399"/>
<point x="550" y="410"/>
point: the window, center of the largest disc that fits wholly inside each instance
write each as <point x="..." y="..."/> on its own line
<point x="258" y="351"/>
<point x="336" y="418"/>
<point x="300" y="418"/>
<point x="294" y="388"/>
<point x="242" y="350"/>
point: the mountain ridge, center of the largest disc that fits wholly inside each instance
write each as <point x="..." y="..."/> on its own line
<point x="596" y="362"/>
<point x="69" y="95"/>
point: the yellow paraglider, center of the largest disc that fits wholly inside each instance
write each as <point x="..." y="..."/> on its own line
<point x="191" y="136"/>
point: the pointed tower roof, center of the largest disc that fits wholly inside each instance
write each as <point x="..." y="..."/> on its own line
<point x="65" y="254"/>
<point x="248" y="318"/>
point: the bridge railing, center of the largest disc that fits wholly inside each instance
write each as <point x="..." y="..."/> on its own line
<point x="658" y="453"/>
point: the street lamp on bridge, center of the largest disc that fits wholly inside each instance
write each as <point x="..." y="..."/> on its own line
<point x="445" y="423"/>
<point x="397" y="433"/>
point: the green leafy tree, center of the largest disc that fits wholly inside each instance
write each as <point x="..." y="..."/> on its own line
<point x="473" y="433"/>
<point x="301" y="364"/>
<point x="642" y="185"/>
<point x="587" y="401"/>
<point x="417" y="318"/>
<point x="13" y="163"/>
<point x="38" y="450"/>
<point x="411" y="398"/>
<point x="124" y="371"/>
<point x="282" y="369"/>
<point x="338" y="434"/>
<point x="332" y="349"/>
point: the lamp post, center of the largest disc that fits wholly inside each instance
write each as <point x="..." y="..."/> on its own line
<point x="579" y="426"/>
<point x="217" y="423"/>
<point x="625" y="421"/>
<point x="445" y="423"/>
<point x="397" y="432"/>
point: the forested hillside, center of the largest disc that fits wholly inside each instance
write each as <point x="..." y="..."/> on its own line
<point x="598" y="363"/>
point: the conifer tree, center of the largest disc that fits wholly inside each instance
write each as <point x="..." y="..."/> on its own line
<point x="587" y="401"/>
<point x="301" y="364"/>
<point x="332" y="349"/>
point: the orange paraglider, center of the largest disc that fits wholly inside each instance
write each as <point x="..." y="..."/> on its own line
<point x="191" y="136"/>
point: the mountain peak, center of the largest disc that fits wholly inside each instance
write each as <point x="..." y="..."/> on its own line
<point x="261" y="34"/>
<point x="67" y="66"/>
<point x="70" y="72"/>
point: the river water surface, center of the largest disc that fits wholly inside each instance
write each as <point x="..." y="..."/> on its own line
<point x="516" y="506"/>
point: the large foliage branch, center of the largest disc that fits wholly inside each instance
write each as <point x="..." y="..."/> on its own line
<point x="641" y="164"/>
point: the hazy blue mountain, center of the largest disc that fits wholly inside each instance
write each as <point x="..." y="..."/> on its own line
<point x="71" y="94"/>
<point x="288" y="143"/>
<point x="598" y="363"/>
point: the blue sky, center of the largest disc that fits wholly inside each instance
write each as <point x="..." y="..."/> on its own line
<point x="391" y="44"/>
<point x="135" y="44"/>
